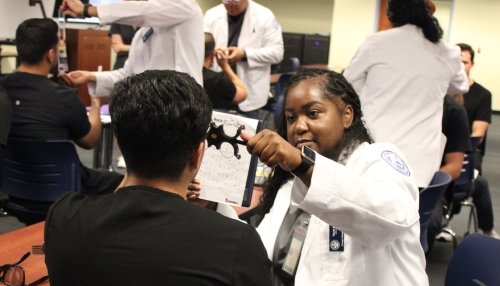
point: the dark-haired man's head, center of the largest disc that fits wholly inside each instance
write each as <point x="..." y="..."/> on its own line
<point x="160" y="118"/>
<point x="209" y="45"/>
<point x="467" y="55"/>
<point x="36" y="40"/>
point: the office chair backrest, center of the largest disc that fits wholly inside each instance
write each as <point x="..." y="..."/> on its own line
<point x="467" y="172"/>
<point x="428" y="199"/>
<point x="476" y="261"/>
<point x="280" y="92"/>
<point x="290" y="65"/>
<point x="40" y="170"/>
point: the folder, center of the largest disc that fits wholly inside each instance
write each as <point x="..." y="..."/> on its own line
<point x="224" y="177"/>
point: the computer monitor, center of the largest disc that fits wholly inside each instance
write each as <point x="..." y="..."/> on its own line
<point x="316" y="49"/>
<point x="293" y="44"/>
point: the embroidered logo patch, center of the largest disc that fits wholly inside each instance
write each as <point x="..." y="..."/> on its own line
<point x="395" y="162"/>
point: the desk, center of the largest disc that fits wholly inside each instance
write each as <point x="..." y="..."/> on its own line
<point x="16" y="243"/>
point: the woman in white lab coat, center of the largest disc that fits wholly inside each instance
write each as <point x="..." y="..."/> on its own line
<point x="402" y="75"/>
<point x="349" y="215"/>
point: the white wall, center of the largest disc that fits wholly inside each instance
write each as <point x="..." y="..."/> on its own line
<point x="299" y="16"/>
<point x="207" y="4"/>
<point x="443" y="14"/>
<point x="353" y="21"/>
<point x="477" y="23"/>
<point x="302" y="16"/>
<point x="13" y="12"/>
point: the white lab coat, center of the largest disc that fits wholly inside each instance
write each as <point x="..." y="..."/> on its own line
<point x="177" y="41"/>
<point x="373" y="199"/>
<point x="401" y="79"/>
<point x="262" y="41"/>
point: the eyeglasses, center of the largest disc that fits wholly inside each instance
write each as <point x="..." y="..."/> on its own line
<point x="231" y="2"/>
<point x="13" y="274"/>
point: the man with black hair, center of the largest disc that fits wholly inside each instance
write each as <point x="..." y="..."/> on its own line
<point x="43" y="109"/>
<point x="147" y="233"/>
<point x="477" y="102"/>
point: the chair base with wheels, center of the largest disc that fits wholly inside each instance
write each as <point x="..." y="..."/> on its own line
<point x="460" y="195"/>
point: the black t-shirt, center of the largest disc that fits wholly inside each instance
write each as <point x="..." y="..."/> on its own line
<point x="127" y="33"/>
<point x="5" y="113"/>
<point x="43" y="109"/>
<point x="234" y="24"/>
<point x="145" y="236"/>
<point x="477" y="102"/>
<point x="220" y="90"/>
<point x="455" y="127"/>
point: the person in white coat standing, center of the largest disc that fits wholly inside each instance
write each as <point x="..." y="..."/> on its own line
<point x="402" y="76"/>
<point x="253" y="39"/>
<point x="170" y="38"/>
<point x="349" y="214"/>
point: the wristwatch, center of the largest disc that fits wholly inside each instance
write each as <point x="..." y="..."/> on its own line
<point x="86" y="10"/>
<point x="308" y="158"/>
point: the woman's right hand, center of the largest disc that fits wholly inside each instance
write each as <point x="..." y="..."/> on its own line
<point x="272" y="149"/>
<point x="77" y="78"/>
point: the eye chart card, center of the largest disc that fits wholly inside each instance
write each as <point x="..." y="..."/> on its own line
<point x="227" y="171"/>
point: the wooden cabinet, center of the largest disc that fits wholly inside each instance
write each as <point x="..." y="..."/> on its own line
<point x="87" y="50"/>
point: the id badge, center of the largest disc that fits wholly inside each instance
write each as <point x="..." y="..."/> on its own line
<point x="336" y="242"/>
<point x="292" y="257"/>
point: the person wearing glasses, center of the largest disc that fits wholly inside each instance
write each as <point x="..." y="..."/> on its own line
<point x="338" y="208"/>
<point x="146" y="232"/>
<point x="170" y="38"/>
<point x="252" y="38"/>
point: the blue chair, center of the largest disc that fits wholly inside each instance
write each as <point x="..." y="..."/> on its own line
<point x="280" y="92"/>
<point x="476" y="261"/>
<point x="429" y="198"/>
<point x="36" y="173"/>
<point x="461" y="193"/>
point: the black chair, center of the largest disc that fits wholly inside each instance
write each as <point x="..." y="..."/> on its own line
<point x="460" y="194"/>
<point x="36" y="173"/>
<point x="476" y="261"/>
<point x="428" y="200"/>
